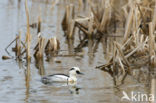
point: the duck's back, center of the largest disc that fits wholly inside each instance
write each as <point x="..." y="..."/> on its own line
<point x="55" y="78"/>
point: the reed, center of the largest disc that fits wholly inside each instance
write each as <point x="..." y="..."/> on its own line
<point x="128" y="24"/>
<point x="39" y="25"/>
<point x="152" y="46"/>
<point x="18" y="46"/>
<point x="28" y="36"/>
<point x="137" y="48"/>
<point x="68" y="22"/>
<point x="52" y="46"/>
<point x="153" y="89"/>
<point x="18" y="49"/>
<point x="39" y="48"/>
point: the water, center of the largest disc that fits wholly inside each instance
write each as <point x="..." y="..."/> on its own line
<point x="95" y="86"/>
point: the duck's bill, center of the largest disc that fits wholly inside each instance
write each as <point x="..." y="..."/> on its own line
<point x="80" y="73"/>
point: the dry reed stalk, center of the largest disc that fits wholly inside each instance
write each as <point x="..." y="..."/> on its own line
<point x="11" y="43"/>
<point x="54" y="3"/>
<point x="151" y="45"/>
<point x="128" y="25"/>
<point x="136" y="19"/>
<point x="144" y="27"/>
<point x="153" y="89"/>
<point x="105" y="18"/>
<point x="47" y="49"/>
<point x="52" y="46"/>
<point x="39" y="25"/>
<point x="114" y="58"/>
<point x="55" y="43"/>
<point x="82" y="27"/>
<point x="122" y="54"/>
<point x="133" y="51"/>
<point x="28" y="32"/>
<point x="15" y="48"/>
<point x="69" y="21"/>
<point x="127" y="43"/>
<point x="90" y="25"/>
<point x="72" y="28"/>
<point x="80" y="4"/>
<point x="19" y="46"/>
<point x="122" y="66"/>
<point x="154" y="17"/>
<point x="41" y="48"/>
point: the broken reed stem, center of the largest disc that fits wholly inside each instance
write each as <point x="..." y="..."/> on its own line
<point x="41" y="48"/>
<point x="28" y="32"/>
<point x="69" y="20"/>
<point x="19" y="46"/>
<point x="11" y="43"/>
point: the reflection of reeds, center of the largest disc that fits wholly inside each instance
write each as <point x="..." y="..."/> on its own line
<point x="39" y="63"/>
<point x="27" y="80"/>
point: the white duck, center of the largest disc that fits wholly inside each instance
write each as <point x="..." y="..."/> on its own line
<point x="72" y="77"/>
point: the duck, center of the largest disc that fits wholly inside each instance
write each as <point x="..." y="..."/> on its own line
<point x="72" y="77"/>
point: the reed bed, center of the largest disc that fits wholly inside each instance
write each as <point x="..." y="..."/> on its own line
<point x="133" y="21"/>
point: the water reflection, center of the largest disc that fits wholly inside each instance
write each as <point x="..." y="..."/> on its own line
<point x="27" y="80"/>
<point x="72" y="86"/>
<point x="70" y="43"/>
<point x="39" y="63"/>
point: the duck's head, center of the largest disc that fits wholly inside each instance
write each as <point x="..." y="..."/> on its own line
<point x="74" y="71"/>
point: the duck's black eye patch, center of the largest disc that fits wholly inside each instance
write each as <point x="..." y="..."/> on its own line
<point x="72" y="69"/>
<point x="78" y="72"/>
